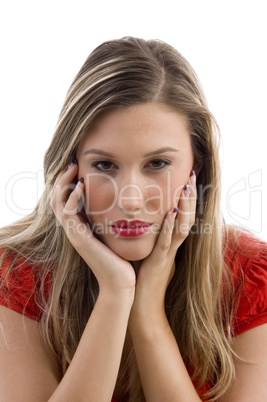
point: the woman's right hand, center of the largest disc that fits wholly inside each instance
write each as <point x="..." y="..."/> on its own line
<point x="112" y="272"/>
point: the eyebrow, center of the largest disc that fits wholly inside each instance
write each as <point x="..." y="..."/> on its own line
<point x="156" y="152"/>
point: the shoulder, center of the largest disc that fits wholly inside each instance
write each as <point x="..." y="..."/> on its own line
<point x="242" y="249"/>
<point x="246" y="258"/>
<point x="17" y="270"/>
<point x="19" y="284"/>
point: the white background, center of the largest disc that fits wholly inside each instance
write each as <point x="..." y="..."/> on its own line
<point x="43" y="45"/>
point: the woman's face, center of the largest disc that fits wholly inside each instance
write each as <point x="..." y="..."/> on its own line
<point x="135" y="162"/>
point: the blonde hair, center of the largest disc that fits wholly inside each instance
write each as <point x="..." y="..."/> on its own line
<point x="122" y="73"/>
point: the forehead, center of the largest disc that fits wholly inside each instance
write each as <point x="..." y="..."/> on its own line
<point x="143" y="125"/>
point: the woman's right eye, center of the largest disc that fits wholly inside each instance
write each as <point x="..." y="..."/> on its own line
<point x="104" y="165"/>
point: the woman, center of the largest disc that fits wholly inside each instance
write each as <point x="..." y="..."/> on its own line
<point x="123" y="283"/>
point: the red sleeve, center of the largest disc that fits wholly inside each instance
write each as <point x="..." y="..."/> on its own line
<point x="18" y="288"/>
<point x="251" y="294"/>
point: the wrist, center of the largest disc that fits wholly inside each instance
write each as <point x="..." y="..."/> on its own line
<point x="121" y="297"/>
<point x="148" y="305"/>
<point x="148" y="326"/>
<point x="148" y="317"/>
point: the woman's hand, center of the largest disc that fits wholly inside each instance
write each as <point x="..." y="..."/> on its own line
<point x="156" y="271"/>
<point x="112" y="272"/>
<point x="162" y="371"/>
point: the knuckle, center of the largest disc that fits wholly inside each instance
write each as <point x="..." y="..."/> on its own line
<point x="69" y="212"/>
<point x="164" y="246"/>
<point x="65" y="215"/>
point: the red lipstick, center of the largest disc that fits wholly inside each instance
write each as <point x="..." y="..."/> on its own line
<point x="126" y="228"/>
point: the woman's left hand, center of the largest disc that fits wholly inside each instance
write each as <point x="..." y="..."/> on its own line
<point x="156" y="271"/>
<point x="161" y="367"/>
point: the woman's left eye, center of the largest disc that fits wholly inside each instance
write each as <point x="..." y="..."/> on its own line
<point x="158" y="163"/>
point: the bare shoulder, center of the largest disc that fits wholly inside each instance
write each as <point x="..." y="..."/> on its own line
<point x="251" y="373"/>
<point x="27" y="372"/>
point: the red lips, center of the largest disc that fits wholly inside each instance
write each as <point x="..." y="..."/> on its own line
<point x="126" y="228"/>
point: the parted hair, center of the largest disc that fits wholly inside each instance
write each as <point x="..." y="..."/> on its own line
<point x="122" y="73"/>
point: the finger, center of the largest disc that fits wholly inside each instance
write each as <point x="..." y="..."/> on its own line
<point x="65" y="181"/>
<point x="165" y="237"/>
<point x="71" y="206"/>
<point x="72" y="221"/>
<point x="62" y="189"/>
<point x="186" y="212"/>
<point x="192" y="198"/>
<point x="63" y="185"/>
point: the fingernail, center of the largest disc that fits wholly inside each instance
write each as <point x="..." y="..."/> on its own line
<point x="187" y="190"/>
<point x="176" y="209"/>
<point x="80" y="181"/>
<point x="72" y="163"/>
<point x="192" y="173"/>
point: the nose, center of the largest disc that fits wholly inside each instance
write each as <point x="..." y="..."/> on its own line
<point x="130" y="199"/>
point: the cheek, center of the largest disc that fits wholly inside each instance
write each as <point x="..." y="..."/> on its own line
<point x="100" y="194"/>
<point x="176" y="193"/>
<point x="163" y="196"/>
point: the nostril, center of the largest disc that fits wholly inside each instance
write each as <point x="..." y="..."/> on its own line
<point x="130" y="198"/>
<point x="130" y="212"/>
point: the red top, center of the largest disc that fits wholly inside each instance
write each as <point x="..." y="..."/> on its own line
<point x="245" y="256"/>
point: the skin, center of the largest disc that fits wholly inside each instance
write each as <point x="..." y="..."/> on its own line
<point x="157" y="126"/>
<point x="129" y="184"/>
<point x="130" y="308"/>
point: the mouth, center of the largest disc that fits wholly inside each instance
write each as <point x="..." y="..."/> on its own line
<point x="133" y="228"/>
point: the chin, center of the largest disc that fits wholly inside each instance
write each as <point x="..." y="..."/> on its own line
<point x="132" y="254"/>
<point x="132" y="250"/>
<point x="129" y="256"/>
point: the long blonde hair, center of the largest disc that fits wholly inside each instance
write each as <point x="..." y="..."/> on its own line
<point x="122" y="73"/>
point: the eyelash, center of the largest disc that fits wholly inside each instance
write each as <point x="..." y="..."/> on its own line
<point x="163" y="163"/>
<point x="97" y="163"/>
